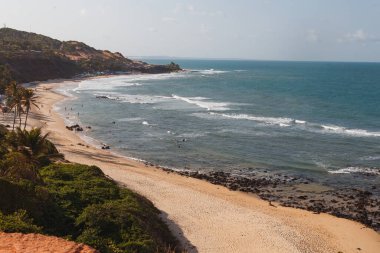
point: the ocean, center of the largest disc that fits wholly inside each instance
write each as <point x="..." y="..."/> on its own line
<point x="317" y="120"/>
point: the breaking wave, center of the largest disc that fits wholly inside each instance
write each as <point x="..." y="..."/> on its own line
<point x="357" y="170"/>
<point x="301" y="124"/>
<point x="204" y="103"/>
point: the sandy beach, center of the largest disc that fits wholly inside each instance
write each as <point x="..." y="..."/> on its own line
<point x="207" y="217"/>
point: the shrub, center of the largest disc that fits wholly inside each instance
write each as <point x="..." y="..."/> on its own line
<point x="76" y="186"/>
<point x="17" y="166"/>
<point x="18" y="222"/>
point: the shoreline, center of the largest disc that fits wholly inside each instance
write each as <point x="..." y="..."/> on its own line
<point x="283" y="189"/>
<point x="197" y="209"/>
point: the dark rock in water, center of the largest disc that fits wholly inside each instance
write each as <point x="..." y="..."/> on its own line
<point x="102" y="97"/>
<point x="75" y="127"/>
<point x="105" y="147"/>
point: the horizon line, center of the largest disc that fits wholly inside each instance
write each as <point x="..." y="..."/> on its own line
<point x="163" y="57"/>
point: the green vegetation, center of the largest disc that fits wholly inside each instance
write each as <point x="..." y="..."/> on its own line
<point x="74" y="201"/>
<point x="18" y="222"/>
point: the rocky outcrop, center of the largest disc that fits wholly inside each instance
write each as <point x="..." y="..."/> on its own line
<point x="37" y="243"/>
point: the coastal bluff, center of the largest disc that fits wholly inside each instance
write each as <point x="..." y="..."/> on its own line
<point x="34" y="57"/>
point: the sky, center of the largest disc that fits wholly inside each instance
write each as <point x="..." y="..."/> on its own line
<point x="302" y="30"/>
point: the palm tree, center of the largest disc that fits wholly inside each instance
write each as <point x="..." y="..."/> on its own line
<point x="29" y="99"/>
<point x="14" y="99"/>
<point x="33" y="145"/>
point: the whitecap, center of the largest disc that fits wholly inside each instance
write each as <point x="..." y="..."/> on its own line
<point x="192" y="135"/>
<point x="300" y="124"/>
<point x="129" y="119"/>
<point x="370" y="158"/>
<point x="209" y="71"/>
<point x="133" y="99"/>
<point x="204" y="103"/>
<point x="284" y="122"/>
<point x="347" y="131"/>
<point x="357" y="170"/>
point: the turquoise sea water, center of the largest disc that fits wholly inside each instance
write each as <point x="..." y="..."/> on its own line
<point x="319" y="120"/>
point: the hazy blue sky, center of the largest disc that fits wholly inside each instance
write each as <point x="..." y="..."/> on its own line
<point x="342" y="30"/>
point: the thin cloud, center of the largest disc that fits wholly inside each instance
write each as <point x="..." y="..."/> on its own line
<point x="312" y="36"/>
<point x="204" y="29"/>
<point x="83" y="12"/>
<point x="359" y="36"/>
<point x="168" y="19"/>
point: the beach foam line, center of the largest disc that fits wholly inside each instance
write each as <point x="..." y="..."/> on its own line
<point x="356" y="170"/>
<point x="109" y="83"/>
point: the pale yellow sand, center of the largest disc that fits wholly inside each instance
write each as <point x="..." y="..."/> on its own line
<point x="209" y="217"/>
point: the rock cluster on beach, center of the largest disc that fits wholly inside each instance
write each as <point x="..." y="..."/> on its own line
<point x="351" y="203"/>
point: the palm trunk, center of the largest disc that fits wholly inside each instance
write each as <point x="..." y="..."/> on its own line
<point x="26" y="117"/>
<point x="19" y="117"/>
<point x="14" y="118"/>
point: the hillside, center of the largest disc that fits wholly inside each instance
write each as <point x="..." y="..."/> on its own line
<point x="35" y="57"/>
<point x="41" y="193"/>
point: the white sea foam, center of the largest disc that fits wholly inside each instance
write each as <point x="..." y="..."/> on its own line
<point x="192" y="135"/>
<point x="204" y="103"/>
<point x="370" y="158"/>
<point x="357" y="170"/>
<point x="347" y="131"/>
<point x="145" y="123"/>
<point x="133" y="99"/>
<point x="267" y="120"/>
<point x="209" y="71"/>
<point x="289" y="122"/>
<point x="109" y="83"/>
<point x="130" y="119"/>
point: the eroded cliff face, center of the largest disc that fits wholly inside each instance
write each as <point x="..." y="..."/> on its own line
<point x="34" y="57"/>
<point x="37" y="243"/>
